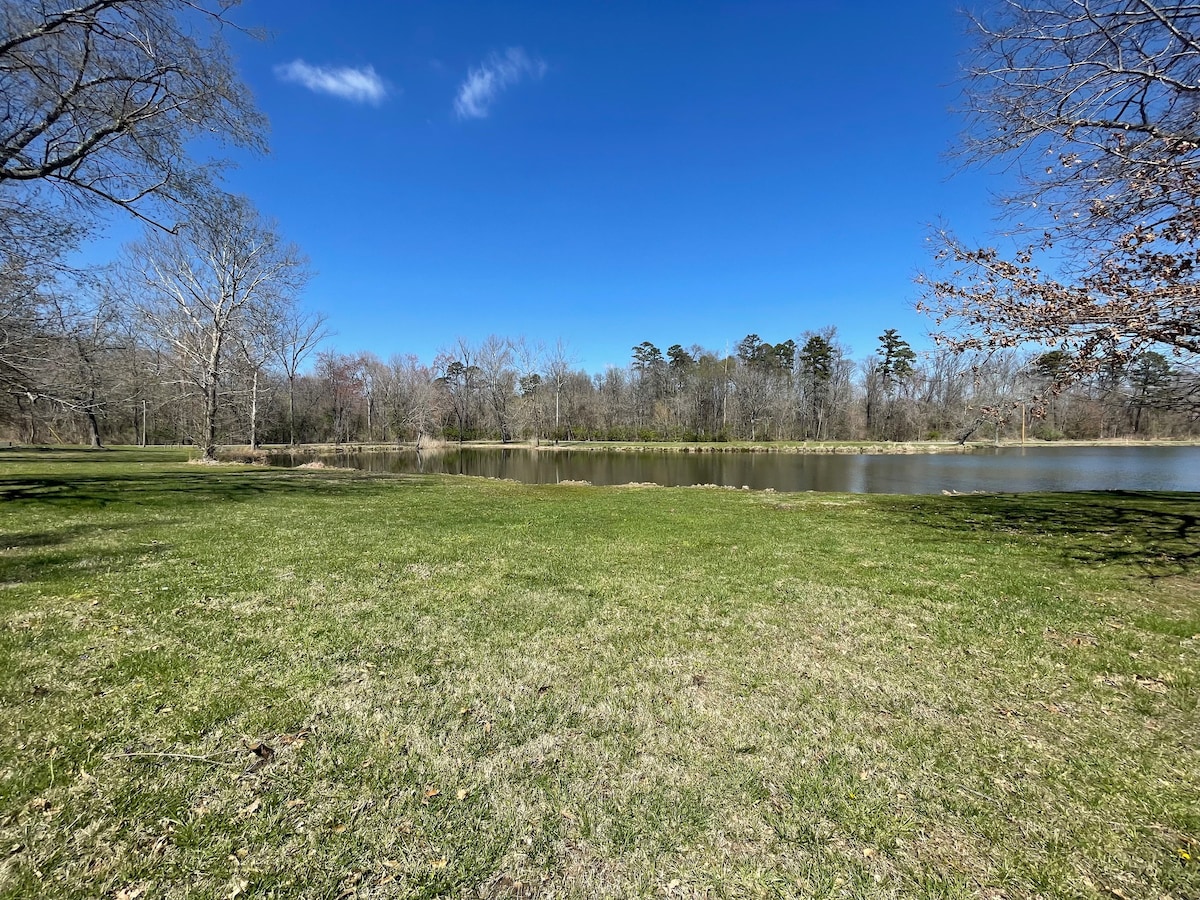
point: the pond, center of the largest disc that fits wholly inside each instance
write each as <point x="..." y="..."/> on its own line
<point x="1006" y="469"/>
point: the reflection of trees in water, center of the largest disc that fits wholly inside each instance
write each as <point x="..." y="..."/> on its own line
<point x="1007" y="470"/>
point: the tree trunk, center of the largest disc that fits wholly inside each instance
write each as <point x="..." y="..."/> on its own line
<point x="94" y="431"/>
<point x="93" y="424"/>
<point x="254" y="411"/>
<point x="971" y="429"/>
<point x="31" y="432"/>
<point x="291" y="410"/>
<point x="208" y="437"/>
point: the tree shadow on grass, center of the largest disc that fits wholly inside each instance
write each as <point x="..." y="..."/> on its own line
<point x="41" y="544"/>
<point x="1154" y="533"/>
<point x="163" y="488"/>
<point x="36" y="540"/>
<point x="18" y="551"/>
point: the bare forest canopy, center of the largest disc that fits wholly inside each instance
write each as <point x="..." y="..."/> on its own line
<point x="808" y="388"/>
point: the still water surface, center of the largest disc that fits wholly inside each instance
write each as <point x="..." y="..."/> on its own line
<point x="1008" y="469"/>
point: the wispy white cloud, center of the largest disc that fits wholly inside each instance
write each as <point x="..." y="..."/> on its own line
<point x="493" y="75"/>
<point x="357" y="85"/>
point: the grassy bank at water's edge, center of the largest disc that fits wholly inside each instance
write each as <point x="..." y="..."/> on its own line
<point x="255" y="682"/>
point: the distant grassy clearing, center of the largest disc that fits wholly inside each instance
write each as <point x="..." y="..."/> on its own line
<point x="487" y="689"/>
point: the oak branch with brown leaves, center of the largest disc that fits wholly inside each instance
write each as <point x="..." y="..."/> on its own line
<point x="1095" y="104"/>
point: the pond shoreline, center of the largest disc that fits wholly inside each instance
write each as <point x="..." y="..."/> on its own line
<point x="783" y="447"/>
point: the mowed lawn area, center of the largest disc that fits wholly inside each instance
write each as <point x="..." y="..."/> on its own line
<point x="243" y="682"/>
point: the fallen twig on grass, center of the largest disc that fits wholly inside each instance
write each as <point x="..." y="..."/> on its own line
<point x="184" y="756"/>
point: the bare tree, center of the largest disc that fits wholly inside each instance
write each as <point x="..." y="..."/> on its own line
<point x="254" y="340"/>
<point x="499" y="380"/>
<point x="1095" y="101"/>
<point x="558" y="362"/>
<point x="529" y="358"/>
<point x="340" y="375"/>
<point x="413" y="400"/>
<point x="55" y="344"/>
<point x="296" y="336"/>
<point x="201" y="286"/>
<point x="459" y="375"/>
<point x="23" y="303"/>
<point x="100" y="98"/>
<point x="994" y="395"/>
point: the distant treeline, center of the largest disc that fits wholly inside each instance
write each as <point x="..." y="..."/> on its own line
<point x="805" y="388"/>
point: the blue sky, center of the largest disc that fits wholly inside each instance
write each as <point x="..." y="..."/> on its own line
<point x="609" y="173"/>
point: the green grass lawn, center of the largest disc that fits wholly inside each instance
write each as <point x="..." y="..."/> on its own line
<point x="473" y="688"/>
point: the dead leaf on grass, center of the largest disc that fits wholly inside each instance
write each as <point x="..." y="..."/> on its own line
<point x="294" y="740"/>
<point x="351" y="883"/>
<point x="1154" y="685"/>
<point x="265" y="754"/>
<point x="251" y="809"/>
